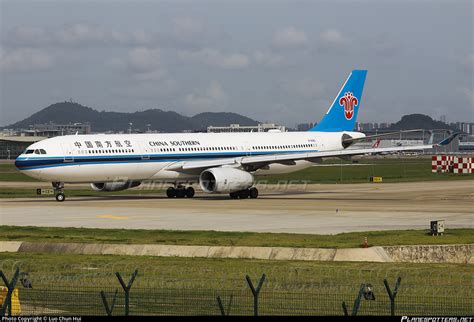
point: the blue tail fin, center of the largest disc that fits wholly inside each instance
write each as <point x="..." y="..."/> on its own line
<point x="342" y="114"/>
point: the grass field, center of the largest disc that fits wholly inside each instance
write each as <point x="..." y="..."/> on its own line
<point x="128" y="236"/>
<point x="70" y="284"/>
<point x="8" y="172"/>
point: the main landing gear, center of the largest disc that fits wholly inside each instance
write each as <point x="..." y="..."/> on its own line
<point x="58" y="190"/>
<point x="180" y="192"/>
<point x="244" y="194"/>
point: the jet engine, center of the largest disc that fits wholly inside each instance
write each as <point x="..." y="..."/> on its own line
<point x="225" y="180"/>
<point x="114" y="186"/>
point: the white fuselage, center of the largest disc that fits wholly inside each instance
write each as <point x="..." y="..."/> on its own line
<point x="111" y="157"/>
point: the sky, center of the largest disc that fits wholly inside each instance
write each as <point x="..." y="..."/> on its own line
<point x="274" y="61"/>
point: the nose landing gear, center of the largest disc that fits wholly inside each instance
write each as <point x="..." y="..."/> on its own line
<point x="58" y="190"/>
<point x="60" y="196"/>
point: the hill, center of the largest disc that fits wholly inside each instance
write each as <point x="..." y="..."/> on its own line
<point x="418" y="121"/>
<point x="164" y="121"/>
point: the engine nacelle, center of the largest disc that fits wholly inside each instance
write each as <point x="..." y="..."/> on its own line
<point x="347" y="138"/>
<point x="114" y="186"/>
<point x="225" y="180"/>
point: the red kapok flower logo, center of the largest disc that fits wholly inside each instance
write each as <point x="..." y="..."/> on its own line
<point x="348" y="101"/>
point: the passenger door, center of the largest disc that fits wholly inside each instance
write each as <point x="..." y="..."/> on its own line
<point x="67" y="152"/>
<point x="145" y="151"/>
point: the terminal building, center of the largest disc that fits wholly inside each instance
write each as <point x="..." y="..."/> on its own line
<point x="14" y="142"/>
<point x="12" y="146"/>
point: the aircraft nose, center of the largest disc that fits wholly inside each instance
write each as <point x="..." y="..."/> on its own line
<point x="18" y="163"/>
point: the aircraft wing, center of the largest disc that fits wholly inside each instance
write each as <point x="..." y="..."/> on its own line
<point x="351" y="140"/>
<point x="251" y="163"/>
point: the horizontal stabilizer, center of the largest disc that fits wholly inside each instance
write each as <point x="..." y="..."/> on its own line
<point x="448" y="139"/>
<point x="350" y="141"/>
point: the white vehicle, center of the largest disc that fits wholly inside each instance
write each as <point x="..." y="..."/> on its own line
<point x="219" y="162"/>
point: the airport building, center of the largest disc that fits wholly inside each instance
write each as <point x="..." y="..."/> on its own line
<point x="53" y="129"/>
<point x="12" y="146"/>
<point x="466" y="143"/>
<point x="263" y="127"/>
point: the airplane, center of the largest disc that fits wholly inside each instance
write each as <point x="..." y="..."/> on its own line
<point x="218" y="162"/>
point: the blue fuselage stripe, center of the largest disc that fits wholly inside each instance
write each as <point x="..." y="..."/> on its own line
<point x="24" y="163"/>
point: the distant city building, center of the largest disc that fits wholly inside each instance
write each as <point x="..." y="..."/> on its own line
<point x="305" y="126"/>
<point x="464" y="127"/>
<point x="53" y="129"/>
<point x="371" y="126"/>
<point x="264" y="127"/>
<point x="384" y="125"/>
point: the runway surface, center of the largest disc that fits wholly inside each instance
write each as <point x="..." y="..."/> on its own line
<point x="319" y="209"/>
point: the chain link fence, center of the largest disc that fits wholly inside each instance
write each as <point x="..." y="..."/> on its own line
<point x="76" y="290"/>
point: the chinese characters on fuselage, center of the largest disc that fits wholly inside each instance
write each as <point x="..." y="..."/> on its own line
<point x="103" y="144"/>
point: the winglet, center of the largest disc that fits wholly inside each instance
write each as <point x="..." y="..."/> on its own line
<point x="448" y="139"/>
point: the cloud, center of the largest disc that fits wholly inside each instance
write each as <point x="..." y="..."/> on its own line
<point x="25" y="60"/>
<point x="469" y="95"/>
<point x="268" y="59"/>
<point x="144" y="59"/>
<point x="468" y="61"/>
<point x="29" y="36"/>
<point x="77" y="34"/>
<point x="213" y="57"/>
<point x="150" y="90"/>
<point x="289" y="37"/>
<point x="186" y="28"/>
<point x="306" y="88"/>
<point x="214" y="98"/>
<point x="144" y="64"/>
<point x="333" y="37"/>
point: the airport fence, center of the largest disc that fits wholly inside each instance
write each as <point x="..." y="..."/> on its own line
<point x="141" y="292"/>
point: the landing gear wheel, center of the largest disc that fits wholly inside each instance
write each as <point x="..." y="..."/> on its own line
<point x="253" y="193"/>
<point x="171" y="192"/>
<point x="60" y="197"/>
<point x="243" y="194"/>
<point x="189" y="192"/>
<point x="234" y="195"/>
<point x="180" y="192"/>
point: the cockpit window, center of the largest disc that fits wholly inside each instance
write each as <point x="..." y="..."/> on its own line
<point x="29" y="151"/>
<point x="37" y="151"/>
<point x="42" y="151"/>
